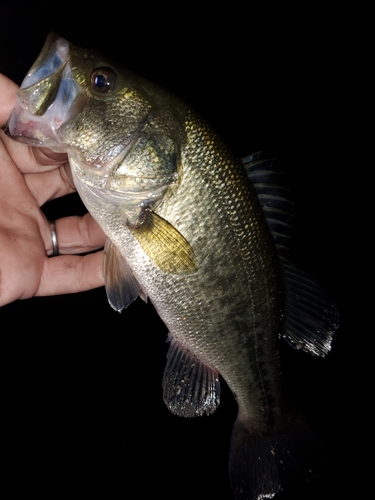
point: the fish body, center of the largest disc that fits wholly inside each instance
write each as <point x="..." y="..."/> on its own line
<point x="187" y="229"/>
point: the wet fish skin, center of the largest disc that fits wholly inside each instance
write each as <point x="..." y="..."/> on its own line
<point x="186" y="229"/>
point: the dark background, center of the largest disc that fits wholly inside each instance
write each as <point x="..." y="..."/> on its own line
<point x="82" y="396"/>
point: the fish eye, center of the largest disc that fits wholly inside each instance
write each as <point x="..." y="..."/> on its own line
<point x="103" y="80"/>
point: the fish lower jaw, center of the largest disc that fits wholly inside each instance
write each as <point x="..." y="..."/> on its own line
<point x="91" y="186"/>
<point x="145" y="196"/>
<point x="101" y="186"/>
<point x="29" y="129"/>
<point x="123" y="197"/>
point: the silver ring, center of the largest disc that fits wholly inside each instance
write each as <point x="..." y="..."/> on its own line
<point x="55" y="246"/>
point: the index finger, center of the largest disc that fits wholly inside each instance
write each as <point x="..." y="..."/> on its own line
<point x="42" y="186"/>
<point x="32" y="159"/>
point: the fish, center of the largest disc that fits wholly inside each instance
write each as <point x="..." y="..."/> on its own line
<point x="199" y="233"/>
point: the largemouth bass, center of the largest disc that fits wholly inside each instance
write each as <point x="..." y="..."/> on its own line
<point x="201" y="235"/>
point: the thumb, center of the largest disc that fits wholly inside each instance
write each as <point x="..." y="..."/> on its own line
<point x="8" y="91"/>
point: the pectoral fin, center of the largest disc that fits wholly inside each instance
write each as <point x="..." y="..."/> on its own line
<point x="164" y="244"/>
<point x="120" y="284"/>
<point x="190" y="388"/>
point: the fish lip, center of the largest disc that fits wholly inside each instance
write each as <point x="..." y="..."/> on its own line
<point x="47" y="98"/>
<point x="62" y="50"/>
<point x="32" y="132"/>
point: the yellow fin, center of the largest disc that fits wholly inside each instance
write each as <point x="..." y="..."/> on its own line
<point x="164" y="245"/>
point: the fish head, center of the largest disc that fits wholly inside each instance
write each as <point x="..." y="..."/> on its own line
<point x="121" y="135"/>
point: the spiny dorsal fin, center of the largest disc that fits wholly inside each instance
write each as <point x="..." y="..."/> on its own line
<point x="164" y="244"/>
<point x="120" y="284"/>
<point x="270" y="191"/>
<point x="190" y="388"/>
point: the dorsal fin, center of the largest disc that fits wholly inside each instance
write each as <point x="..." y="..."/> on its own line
<point x="271" y="194"/>
<point x="190" y="388"/>
<point x="310" y="317"/>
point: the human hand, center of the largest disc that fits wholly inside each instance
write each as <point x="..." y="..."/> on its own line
<point x="29" y="177"/>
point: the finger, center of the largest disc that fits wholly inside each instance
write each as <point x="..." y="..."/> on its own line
<point x="47" y="186"/>
<point x="43" y="186"/>
<point x="32" y="159"/>
<point x="71" y="274"/>
<point x="8" y="91"/>
<point x="28" y="188"/>
<point x="75" y="235"/>
<point x="12" y="185"/>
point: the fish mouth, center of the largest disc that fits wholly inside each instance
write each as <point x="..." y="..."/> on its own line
<point x="48" y="97"/>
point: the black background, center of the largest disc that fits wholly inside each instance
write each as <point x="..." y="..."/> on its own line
<point x="82" y="396"/>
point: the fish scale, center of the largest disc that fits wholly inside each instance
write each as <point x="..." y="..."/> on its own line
<point x="202" y="236"/>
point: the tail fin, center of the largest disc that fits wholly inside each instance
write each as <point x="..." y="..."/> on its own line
<point x="262" y="464"/>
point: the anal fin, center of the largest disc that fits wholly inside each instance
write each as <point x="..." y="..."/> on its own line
<point x="190" y="388"/>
